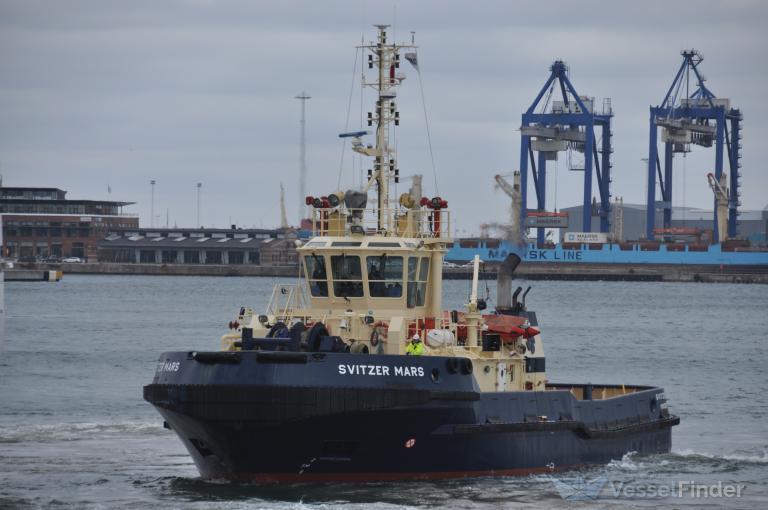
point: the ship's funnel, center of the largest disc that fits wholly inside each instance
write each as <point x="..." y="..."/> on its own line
<point x="504" y="274"/>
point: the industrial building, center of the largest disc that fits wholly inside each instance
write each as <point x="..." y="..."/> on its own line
<point x="210" y="246"/>
<point x="41" y="222"/>
<point x="752" y="224"/>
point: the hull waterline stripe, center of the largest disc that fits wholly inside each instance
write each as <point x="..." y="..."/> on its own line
<point x="390" y="476"/>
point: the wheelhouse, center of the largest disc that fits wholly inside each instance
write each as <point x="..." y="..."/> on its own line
<point x="372" y="273"/>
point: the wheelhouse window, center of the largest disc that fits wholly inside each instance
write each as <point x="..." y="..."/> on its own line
<point x="347" y="276"/>
<point x="418" y="271"/>
<point x="385" y="276"/>
<point x="316" y="275"/>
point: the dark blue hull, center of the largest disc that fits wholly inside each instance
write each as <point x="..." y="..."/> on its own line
<point x="302" y="417"/>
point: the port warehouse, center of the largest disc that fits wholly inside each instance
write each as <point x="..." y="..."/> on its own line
<point x="231" y="246"/>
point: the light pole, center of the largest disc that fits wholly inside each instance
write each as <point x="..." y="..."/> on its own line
<point x="303" y="97"/>
<point x="152" y="205"/>
<point x="199" y="186"/>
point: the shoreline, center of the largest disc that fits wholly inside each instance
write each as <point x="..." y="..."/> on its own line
<point x="526" y="271"/>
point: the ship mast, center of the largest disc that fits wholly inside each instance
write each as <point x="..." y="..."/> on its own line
<point x="386" y="58"/>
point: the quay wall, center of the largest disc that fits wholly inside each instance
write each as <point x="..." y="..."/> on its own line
<point x="526" y="271"/>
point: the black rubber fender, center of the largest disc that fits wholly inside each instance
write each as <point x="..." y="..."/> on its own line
<point x="277" y="327"/>
<point x="466" y="366"/>
<point x="452" y="365"/>
<point x="317" y="330"/>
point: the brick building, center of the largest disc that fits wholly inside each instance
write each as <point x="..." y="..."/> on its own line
<point x="42" y="222"/>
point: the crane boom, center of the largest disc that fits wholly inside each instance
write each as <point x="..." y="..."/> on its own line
<point x="720" y="189"/>
<point x="283" y="216"/>
<point x="506" y="187"/>
<point x="514" y="231"/>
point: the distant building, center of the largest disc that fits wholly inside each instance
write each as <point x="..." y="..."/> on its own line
<point x="42" y="222"/>
<point x="751" y="223"/>
<point x="199" y="246"/>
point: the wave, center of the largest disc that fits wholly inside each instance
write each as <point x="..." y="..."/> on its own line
<point x="761" y="458"/>
<point x="687" y="461"/>
<point x="75" y="431"/>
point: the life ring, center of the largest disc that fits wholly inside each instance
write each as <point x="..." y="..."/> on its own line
<point x="379" y="333"/>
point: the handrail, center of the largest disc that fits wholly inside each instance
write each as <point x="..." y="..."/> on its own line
<point x="286" y="298"/>
<point x="415" y="223"/>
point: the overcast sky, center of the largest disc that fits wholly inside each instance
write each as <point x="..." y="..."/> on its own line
<point x="97" y="93"/>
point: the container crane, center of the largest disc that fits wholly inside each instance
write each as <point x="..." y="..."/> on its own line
<point x="566" y="124"/>
<point x="686" y="117"/>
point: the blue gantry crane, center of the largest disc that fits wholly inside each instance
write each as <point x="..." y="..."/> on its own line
<point x="686" y="116"/>
<point x="566" y="125"/>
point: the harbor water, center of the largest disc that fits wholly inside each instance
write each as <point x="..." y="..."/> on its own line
<point x="75" y="432"/>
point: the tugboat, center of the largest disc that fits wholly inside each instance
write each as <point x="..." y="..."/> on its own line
<point x="357" y="373"/>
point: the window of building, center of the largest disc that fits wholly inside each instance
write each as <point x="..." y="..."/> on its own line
<point x="254" y="257"/>
<point x="385" y="276"/>
<point x="316" y="275"/>
<point x="147" y="257"/>
<point x="41" y="229"/>
<point x="236" y="257"/>
<point x="417" y="281"/>
<point x="169" y="256"/>
<point x="213" y="257"/>
<point x="55" y="229"/>
<point x="11" y="248"/>
<point x="78" y="250"/>
<point x="347" y="276"/>
<point x="191" y="257"/>
<point x="42" y="249"/>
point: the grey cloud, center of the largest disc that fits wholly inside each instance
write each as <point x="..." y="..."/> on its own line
<point x="96" y="93"/>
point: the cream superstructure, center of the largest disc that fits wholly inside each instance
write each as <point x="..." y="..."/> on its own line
<point x="373" y="276"/>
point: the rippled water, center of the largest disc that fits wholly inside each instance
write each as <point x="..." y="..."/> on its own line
<point x="75" y="433"/>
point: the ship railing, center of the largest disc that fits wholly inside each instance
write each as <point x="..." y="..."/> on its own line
<point x="285" y="298"/>
<point x="420" y="223"/>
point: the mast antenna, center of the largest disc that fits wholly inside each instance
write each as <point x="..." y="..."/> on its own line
<point x="385" y="59"/>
